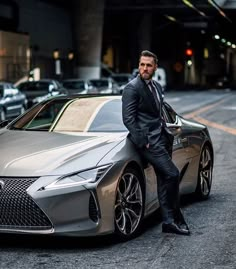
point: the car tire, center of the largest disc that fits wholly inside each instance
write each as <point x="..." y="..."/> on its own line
<point x="129" y="205"/>
<point x="204" y="174"/>
<point x="2" y="115"/>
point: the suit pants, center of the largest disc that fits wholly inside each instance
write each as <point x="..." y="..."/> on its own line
<point x="167" y="174"/>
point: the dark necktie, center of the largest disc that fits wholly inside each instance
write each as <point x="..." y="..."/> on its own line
<point x="154" y="92"/>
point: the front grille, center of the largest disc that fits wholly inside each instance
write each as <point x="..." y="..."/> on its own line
<point x="17" y="209"/>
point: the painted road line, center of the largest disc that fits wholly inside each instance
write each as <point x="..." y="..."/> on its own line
<point x="195" y="115"/>
<point x="203" y="109"/>
<point x="215" y="125"/>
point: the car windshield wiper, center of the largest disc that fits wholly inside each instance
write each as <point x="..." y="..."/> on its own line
<point x="26" y="129"/>
<point x="35" y="129"/>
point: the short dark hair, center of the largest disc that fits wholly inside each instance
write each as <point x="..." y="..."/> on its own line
<point x="147" y="53"/>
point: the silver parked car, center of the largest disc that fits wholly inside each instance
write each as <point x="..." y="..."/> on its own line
<point x="122" y="79"/>
<point x="12" y="101"/>
<point x="38" y="90"/>
<point x="78" y="173"/>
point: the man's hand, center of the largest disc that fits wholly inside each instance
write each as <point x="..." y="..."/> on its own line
<point x="147" y="146"/>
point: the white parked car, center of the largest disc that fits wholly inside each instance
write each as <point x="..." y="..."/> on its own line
<point x="160" y="77"/>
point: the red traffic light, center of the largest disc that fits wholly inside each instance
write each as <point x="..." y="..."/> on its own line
<point x="189" y="52"/>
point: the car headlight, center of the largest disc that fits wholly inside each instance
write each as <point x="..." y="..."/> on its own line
<point x="80" y="178"/>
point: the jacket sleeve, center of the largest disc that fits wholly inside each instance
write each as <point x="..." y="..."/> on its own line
<point x="130" y="101"/>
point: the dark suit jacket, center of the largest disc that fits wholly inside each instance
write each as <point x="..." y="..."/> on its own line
<point x="141" y="115"/>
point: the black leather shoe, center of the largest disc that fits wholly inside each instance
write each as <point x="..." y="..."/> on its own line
<point x="174" y="228"/>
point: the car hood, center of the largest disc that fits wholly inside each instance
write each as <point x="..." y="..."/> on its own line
<point x="33" y="153"/>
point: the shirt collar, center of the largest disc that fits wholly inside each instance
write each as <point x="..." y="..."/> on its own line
<point x="147" y="81"/>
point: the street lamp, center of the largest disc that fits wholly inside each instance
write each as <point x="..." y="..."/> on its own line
<point x="56" y="57"/>
<point x="56" y="54"/>
<point x="71" y="55"/>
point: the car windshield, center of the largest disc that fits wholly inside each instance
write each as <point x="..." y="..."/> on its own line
<point x="36" y="86"/>
<point x="74" y="85"/>
<point x="99" y="114"/>
<point x="99" y="83"/>
<point x="121" y="79"/>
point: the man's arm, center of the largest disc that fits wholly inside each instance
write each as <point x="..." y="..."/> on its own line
<point x="130" y="101"/>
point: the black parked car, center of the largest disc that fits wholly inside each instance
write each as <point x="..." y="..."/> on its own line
<point x="39" y="90"/>
<point x="105" y="85"/>
<point x="122" y="79"/>
<point x="78" y="86"/>
<point x="12" y="101"/>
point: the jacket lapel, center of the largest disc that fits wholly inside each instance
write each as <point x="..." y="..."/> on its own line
<point x="159" y="89"/>
<point x="148" y="96"/>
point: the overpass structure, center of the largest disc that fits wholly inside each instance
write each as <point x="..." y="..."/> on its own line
<point x="113" y="32"/>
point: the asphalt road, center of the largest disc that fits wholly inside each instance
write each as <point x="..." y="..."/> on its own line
<point x="212" y="243"/>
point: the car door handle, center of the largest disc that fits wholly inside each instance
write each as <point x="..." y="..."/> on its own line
<point x="183" y="140"/>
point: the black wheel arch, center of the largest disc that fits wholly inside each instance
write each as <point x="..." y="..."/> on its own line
<point x="136" y="166"/>
<point x="210" y="146"/>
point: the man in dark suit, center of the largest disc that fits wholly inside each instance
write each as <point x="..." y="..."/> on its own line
<point x="142" y="102"/>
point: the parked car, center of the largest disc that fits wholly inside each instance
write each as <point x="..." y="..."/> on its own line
<point x="12" y="101"/>
<point x="105" y="85"/>
<point x="78" y="86"/>
<point x="78" y="173"/>
<point x="223" y="82"/>
<point x="39" y="90"/>
<point x="121" y="79"/>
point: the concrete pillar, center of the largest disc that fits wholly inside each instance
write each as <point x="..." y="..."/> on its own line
<point x="88" y="26"/>
<point x="140" y="36"/>
<point x="145" y="32"/>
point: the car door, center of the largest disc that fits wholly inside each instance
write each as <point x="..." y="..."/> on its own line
<point x="181" y="141"/>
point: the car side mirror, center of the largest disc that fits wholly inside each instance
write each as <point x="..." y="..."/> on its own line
<point x="54" y="91"/>
<point x="51" y="89"/>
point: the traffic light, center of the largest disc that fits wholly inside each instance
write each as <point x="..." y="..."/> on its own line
<point x="189" y="52"/>
<point x="188" y="57"/>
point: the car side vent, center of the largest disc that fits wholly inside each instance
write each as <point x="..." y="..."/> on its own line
<point x="101" y="171"/>
<point x="93" y="209"/>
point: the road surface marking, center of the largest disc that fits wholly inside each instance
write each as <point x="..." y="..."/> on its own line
<point x="203" y="109"/>
<point x="216" y="125"/>
<point x="195" y="115"/>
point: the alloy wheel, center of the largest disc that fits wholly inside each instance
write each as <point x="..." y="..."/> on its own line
<point x="129" y="204"/>
<point x="205" y="174"/>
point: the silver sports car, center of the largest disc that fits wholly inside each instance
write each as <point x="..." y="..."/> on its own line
<point x="68" y="168"/>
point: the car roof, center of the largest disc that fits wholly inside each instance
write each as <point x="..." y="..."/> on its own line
<point x="5" y="82"/>
<point x="85" y="96"/>
<point x="121" y="75"/>
<point x="40" y="80"/>
<point x="74" y="79"/>
<point x="101" y="79"/>
<point x="47" y="79"/>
